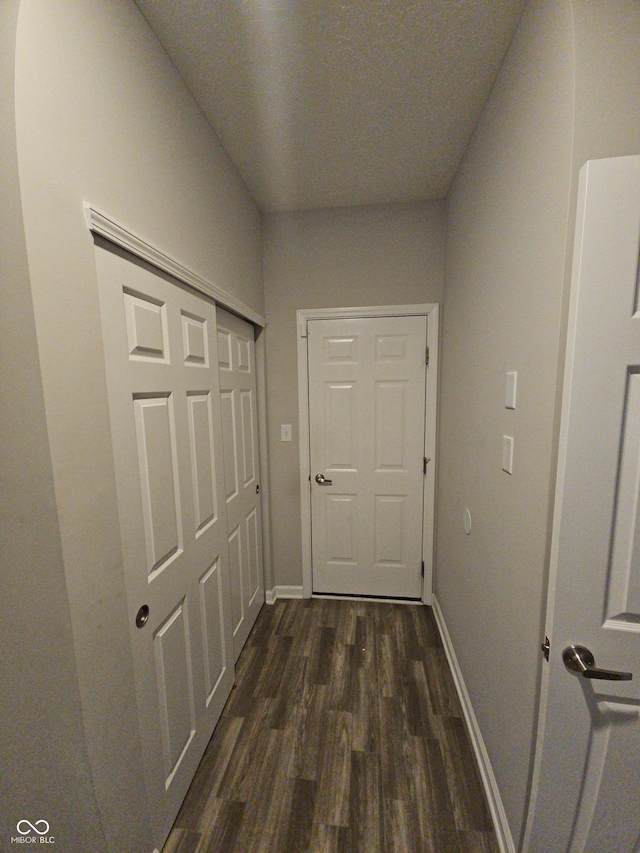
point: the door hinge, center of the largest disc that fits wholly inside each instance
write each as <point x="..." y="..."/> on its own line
<point x="422" y="570"/>
<point x="546" y="647"/>
<point x="426" y="356"/>
<point x="425" y="462"/>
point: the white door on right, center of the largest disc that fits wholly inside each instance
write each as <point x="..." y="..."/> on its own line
<point x="367" y="381"/>
<point x="588" y="762"/>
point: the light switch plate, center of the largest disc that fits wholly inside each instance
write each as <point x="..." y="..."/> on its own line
<point x="507" y="453"/>
<point x="510" y="395"/>
<point x="285" y="432"/>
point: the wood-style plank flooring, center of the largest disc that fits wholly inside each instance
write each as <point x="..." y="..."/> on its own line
<point x="343" y="734"/>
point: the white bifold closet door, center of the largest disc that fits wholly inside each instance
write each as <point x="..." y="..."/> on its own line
<point x="161" y="356"/>
<point x="236" y="356"/>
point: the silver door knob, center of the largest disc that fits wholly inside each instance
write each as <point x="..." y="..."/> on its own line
<point x="321" y="480"/>
<point x="579" y="659"/>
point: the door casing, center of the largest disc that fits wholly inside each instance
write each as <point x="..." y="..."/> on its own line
<point x="429" y="310"/>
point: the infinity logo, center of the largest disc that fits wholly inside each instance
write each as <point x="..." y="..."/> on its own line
<point x="32" y="827"/>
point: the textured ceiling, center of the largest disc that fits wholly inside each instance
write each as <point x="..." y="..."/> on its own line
<point x="324" y="103"/>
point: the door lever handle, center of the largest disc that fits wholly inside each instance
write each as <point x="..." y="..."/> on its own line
<point x="322" y="481"/>
<point x="579" y="659"/>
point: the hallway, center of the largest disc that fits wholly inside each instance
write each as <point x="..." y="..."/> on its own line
<point x="343" y="734"/>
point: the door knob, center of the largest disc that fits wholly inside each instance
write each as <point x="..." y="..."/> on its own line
<point x="142" y="616"/>
<point x="322" y="481"/>
<point x="579" y="659"/>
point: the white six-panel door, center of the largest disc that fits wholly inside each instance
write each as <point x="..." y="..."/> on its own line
<point x="236" y="354"/>
<point x="367" y="427"/>
<point x="161" y="356"/>
<point x="587" y="781"/>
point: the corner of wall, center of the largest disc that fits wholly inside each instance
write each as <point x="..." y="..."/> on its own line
<point x="45" y="767"/>
<point x="506" y="241"/>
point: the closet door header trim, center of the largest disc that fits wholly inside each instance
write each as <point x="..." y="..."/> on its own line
<point x="100" y="223"/>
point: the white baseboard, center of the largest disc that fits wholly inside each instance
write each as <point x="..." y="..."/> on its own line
<point x="272" y="595"/>
<point x="498" y="814"/>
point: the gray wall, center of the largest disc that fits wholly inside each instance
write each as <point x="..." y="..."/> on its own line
<point x="567" y="92"/>
<point x="607" y="95"/>
<point x="45" y="769"/>
<point x="102" y="116"/>
<point x="379" y="255"/>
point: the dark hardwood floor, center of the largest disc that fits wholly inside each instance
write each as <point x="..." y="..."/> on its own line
<point x="343" y="734"/>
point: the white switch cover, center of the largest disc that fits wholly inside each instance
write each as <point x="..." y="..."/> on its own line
<point x="507" y="454"/>
<point x="510" y="396"/>
<point x="285" y="432"/>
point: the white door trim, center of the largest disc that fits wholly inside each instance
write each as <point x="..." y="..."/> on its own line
<point x="430" y="310"/>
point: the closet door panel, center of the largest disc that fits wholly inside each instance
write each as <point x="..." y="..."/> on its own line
<point x="161" y="359"/>
<point x="236" y="353"/>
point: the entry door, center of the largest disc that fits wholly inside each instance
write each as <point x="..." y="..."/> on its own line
<point x="589" y="759"/>
<point x="367" y="423"/>
<point x="236" y="354"/>
<point x="162" y="371"/>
